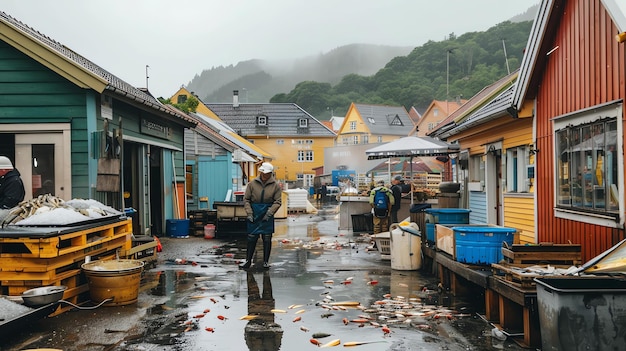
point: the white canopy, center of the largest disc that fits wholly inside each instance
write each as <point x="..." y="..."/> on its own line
<point x="411" y="146"/>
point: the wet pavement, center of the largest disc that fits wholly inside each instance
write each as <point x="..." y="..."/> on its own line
<point x="324" y="287"/>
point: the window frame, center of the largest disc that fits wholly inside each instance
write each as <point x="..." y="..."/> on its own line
<point x="261" y="120"/>
<point x="303" y="122"/>
<point x="352" y="125"/>
<point x="517" y="169"/>
<point x="565" y="129"/>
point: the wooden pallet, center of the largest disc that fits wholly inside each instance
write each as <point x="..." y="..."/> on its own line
<point x="544" y="253"/>
<point x="144" y="249"/>
<point x="524" y="280"/>
<point x="66" y="243"/>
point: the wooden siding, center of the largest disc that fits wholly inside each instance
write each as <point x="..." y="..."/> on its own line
<point x="196" y="144"/>
<point x="286" y="165"/>
<point x="31" y="93"/>
<point x="519" y="213"/>
<point x="586" y="69"/>
<point x="478" y="207"/>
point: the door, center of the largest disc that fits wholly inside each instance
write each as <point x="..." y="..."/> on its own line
<point x="44" y="164"/>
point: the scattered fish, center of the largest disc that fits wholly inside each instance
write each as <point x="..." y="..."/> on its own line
<point x="315" y="342"/>
<point x="358" y="343"/>
<point x="248" y="317"/>
<point x="278" y="311"/>
<point x="300" y="311"/>
<point x="332" y="343"/>
<point x="294" y="306"/>
<point x="326" y="315"/>
<point x="320" y="335"/>
<point x="209" y="329"/>
<point x="297" y="319"/>
<point x="304" y="329"/>
<point x="220" y="317"/>
<point x="345" y="303"/>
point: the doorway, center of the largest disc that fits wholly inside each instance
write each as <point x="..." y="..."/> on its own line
<point x="43" y="164"/>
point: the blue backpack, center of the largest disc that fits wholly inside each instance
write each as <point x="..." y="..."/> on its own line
<point x="381" y="203"/>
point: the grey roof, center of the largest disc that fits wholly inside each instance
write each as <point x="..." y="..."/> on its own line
<point x="282" y="120"/>
<point x="496" y="108"/>
<point x="385" y="120"/>
<point x="115" y="84"/>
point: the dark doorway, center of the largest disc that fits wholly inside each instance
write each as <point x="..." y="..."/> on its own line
<point x="156" y="190"/>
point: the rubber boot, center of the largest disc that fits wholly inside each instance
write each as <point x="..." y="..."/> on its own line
<point x="251" y="246"/>
<point x="267" y="249"/>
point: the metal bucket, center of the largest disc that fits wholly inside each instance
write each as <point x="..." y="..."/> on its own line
<point x="114" y="279"/>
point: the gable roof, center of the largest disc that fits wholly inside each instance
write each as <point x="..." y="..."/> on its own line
<point x="229" y="134"/>
<point x="76" y="68"/>
<point x="384" y="119"/>
<point x="481" y="103"/>
<point x="539" y="44"/>
<point x="282" y="120"/>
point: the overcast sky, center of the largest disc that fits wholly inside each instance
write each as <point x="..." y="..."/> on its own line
<point x="179" y="39"/>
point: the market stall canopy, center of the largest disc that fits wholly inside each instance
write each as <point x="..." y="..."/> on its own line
<point x="412" y="146"/>
<point x="409" y="164"/>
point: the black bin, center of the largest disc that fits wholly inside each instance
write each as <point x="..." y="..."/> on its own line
<point x="582" y="313"/>
<point x="363" y="222"/>
<point x="418" y="215"/>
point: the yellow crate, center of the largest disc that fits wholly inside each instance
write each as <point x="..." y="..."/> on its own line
<point x="67" y="242"/>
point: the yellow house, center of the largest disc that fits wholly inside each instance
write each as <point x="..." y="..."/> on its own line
<point x="365" y="124"/>
<point x="295" y="138"/>
<point x="497" y="158"/>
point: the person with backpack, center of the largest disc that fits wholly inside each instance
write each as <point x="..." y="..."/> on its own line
<point x="381" y="200"/>
<point x="396" y="190"/>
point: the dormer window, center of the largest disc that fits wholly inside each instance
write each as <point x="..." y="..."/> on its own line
<point x="396" y="121"/>
<point x="371" y="120"/>
<point x="261" y="120"/>
<point x="303" y="122"/>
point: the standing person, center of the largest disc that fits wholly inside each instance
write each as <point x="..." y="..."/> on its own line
<point x="381" y="200"/>
<point x="261" y="201"/>
<point x="396" y="190"/>
<point x="11" y="185"/>
<point x="324" y="192"/>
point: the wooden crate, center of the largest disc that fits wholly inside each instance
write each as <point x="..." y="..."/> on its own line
<point x="544" y="253"/>
<point x="144" y="249"/>
<point x="519" y="275"/>
<point x="444" y="239"/>
<point x="66" y="242"/>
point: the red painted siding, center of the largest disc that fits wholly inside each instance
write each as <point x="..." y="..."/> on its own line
<point x="587" y="69"/>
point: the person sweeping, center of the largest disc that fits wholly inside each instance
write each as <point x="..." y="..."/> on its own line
<point x="261" y="201"/>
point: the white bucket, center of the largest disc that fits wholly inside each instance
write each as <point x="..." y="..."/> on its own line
<point x="406" y="248"/>
<point x="209" y="231"/>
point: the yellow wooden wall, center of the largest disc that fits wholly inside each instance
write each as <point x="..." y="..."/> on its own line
<point x="518" y="209"/>
<point x="286" y="155"/>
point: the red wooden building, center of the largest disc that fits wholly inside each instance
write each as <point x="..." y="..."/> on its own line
<point x="573" y="76"/>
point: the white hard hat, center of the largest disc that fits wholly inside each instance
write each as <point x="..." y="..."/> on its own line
<point x="266" y="167"/>
<point x="5" y="163"/>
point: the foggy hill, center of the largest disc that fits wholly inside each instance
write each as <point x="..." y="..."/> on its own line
<point x="259" y="80"/>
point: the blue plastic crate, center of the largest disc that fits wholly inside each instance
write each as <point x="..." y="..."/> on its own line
<point x="481" y="245"/>
<point x="449" y="215"/>
<point x="177" y="228"/>
<point x="430" y="232"/>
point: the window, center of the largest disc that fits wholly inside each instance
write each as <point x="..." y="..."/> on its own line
<point x="352" y="125"/>
<point x="371" y="120"/>
<point x="587" y="167"/>
<point x="379" y="138"/>
<point x="477" y="169"/>
<point x="305" y="156"/>
<point x="181" y="99"/>
<point x="518" y="179"/>
<point x="344" y="140"/>
<point x="308" y="179"/>
<point x="365" y="139"/>
<point x="261" y="120"/>
<point x="435" y="112"/>
<point x="303" y="122"/>
<point x="355" y="139"/>
<point x="280" y="141"/>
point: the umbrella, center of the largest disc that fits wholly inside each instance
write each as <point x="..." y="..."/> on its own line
<point x="411" y="146"/>
<point x="405" y="165"/>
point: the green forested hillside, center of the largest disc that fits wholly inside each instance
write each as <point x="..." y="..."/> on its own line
<point x="457" y="67"/>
